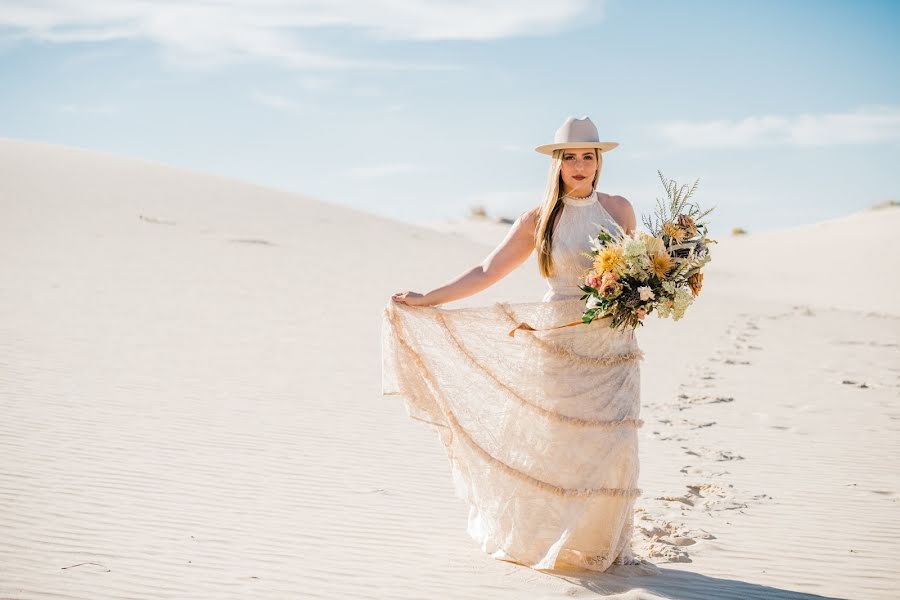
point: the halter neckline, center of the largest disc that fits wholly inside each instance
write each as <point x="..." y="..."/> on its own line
<point x="570" y="201"/>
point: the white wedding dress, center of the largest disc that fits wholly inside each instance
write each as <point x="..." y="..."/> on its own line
<point x="541" y="427"/>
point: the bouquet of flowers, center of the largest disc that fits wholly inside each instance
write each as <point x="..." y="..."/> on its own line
<point x="634" y="274"/>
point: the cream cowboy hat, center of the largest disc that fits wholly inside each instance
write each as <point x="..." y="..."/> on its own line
<point x="577" y="133"/>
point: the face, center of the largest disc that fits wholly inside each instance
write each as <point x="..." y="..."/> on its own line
<point x="579" y="165"/>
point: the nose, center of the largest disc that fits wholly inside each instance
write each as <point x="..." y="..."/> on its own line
<point x="581" y="166"/>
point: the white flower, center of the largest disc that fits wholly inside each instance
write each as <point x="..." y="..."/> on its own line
<point x="593" y="302"/>
<point x="683" y="299"/>
<point x="596" y="245"/>
<point x="664" y="310"/>
<point x="634" y="248"/>
<point x="646" y="293"/>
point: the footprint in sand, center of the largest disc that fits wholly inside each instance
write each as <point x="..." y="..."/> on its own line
<point x="686" y="401"/>
<point x="701" y="472"/>
<point x="862" y="385"/>
<point x="708" y="497"/>
<point x="742" y="335"/>
<point x="713" y="454"/>
<point x="735" y="361"/>
<point x="727" y="359"/>
<point x="720" y="399"/>
<point x="667" y="540"/>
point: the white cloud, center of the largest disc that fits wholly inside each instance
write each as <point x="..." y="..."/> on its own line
<point x="218" y="32"/>
<point x="275" y="101"/>
<point x="866" y="125"/>
<point x="382" y="170"/>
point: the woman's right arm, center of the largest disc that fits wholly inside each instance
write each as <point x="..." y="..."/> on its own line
<point x="509" y="254"/>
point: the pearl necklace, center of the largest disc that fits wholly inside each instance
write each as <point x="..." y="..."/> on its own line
<point x="578" y="197"/>
<point x="576" y="201"/>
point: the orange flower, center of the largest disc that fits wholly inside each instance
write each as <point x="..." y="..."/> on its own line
<point x="696" y="282"/>
<point x="609" y="285"/>
<point x="673" y="231"/>
<point x="686" y="223"/>
<point x="660" y="263"/>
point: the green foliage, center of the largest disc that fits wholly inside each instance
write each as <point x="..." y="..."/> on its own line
<point x="676" y="204"/>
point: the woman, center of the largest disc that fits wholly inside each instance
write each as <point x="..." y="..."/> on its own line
<point x="540" y="425"/>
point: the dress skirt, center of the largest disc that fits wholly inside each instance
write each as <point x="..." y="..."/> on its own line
<point x="540" y="428"/>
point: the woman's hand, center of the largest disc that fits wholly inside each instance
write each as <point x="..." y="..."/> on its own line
<point x="410" y="298"/>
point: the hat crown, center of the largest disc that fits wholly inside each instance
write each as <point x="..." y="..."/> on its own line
<point x="577" y="130"/>
<point x="576" y="133"/>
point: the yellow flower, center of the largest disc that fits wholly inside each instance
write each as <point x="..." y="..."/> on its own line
<point x="696" y="282"/>
<point x="673" y="231"/>
<point x="660" y="263"/>
<point x="610" y="259"/>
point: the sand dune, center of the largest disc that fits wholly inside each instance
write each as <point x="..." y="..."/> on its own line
<point x="190" y="377"/>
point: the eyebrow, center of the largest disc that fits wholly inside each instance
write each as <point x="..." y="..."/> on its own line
<point x="573" y="154"/>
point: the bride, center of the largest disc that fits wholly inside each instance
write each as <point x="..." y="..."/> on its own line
<point x="540" y="426"/>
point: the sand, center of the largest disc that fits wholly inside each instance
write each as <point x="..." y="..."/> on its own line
<point x="191" y="408"/>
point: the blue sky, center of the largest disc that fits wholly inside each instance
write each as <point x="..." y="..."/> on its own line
<point x="787" y="112"/>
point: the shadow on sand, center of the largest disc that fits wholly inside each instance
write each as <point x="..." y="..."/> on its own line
<point x="674" y="584"/>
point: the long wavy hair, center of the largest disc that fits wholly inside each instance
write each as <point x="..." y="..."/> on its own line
<point x="551" y="207"/>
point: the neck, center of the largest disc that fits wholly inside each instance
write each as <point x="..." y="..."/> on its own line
<point x="578" y="192"/>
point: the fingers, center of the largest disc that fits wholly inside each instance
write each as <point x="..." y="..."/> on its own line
<point x="408" y="297"/>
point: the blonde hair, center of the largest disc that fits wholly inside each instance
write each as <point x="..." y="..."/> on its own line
<point x="551" y="207"/>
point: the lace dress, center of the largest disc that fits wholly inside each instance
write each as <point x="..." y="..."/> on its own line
<point x="540" y="428"/>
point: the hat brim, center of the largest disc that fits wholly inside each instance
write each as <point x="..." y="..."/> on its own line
<point x="602" y="146"/>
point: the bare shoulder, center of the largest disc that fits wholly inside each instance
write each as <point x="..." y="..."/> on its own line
<point x="621" y="203"/>
<point x="532" y="214"/>
<point x="525" y="226"/>
<point x="622" y="211"/>
<point x="528" y="220"/>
